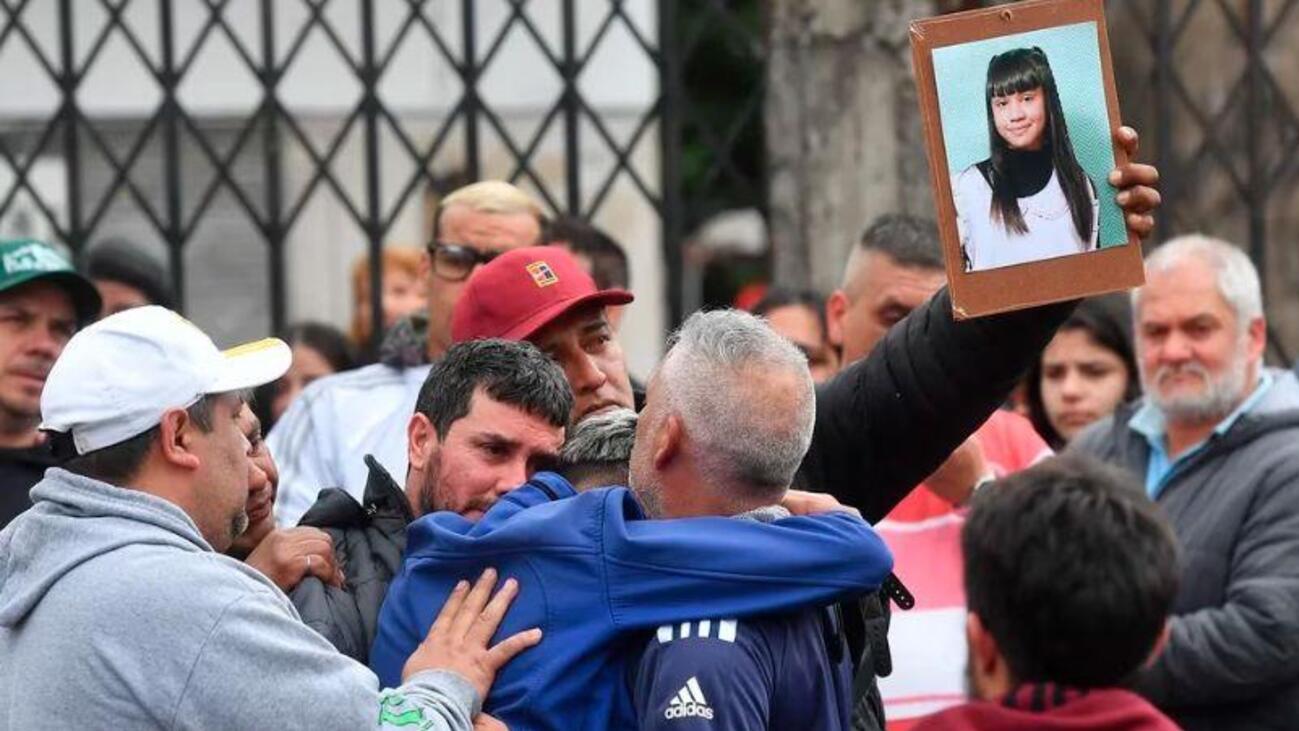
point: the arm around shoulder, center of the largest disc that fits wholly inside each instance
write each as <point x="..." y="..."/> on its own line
<point x="658" y="570"/>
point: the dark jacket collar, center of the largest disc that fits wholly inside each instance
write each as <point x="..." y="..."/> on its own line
<point x="383" y="500"/>
<point x="1039" y="697"/>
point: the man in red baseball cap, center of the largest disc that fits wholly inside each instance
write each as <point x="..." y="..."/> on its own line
<point x="543" y="295"/>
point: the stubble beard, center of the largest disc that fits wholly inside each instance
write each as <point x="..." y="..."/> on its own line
<point x="429" y="500"/>
<point x="238" y="524"/>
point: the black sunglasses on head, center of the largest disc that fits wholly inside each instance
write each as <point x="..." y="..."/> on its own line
<point x="456" y="261"/>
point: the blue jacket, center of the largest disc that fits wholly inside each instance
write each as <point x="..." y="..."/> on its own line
<point x="597" y="579"/>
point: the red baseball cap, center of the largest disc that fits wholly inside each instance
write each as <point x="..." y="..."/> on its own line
<point x="521" y="291"/>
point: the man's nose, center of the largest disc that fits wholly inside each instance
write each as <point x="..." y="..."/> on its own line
<point x="257" y="477"/>
<point x="44" y="342"/>
<point x="584" y="374"/>
<point x="514" y="475"/>
<point x="1176" y="349"/>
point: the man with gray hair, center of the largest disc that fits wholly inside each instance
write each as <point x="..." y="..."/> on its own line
<point x="1216" y="441"/>
<point x="597" y="450"/>
<point x="728" y="417"/>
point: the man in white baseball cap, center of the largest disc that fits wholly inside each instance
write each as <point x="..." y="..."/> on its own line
<point x="117" y="607"/>
<point x="146" y="396"/>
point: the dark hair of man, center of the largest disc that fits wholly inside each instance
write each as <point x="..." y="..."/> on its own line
<point x="778" y="297"/>
<point x="608" y="260"/>
<point x="120" y="260"/>
<point x="1107" y="320"/>
<point x="908" y="240"/>
<point x="117" y="464"/>
<point x="1072" y="570"/>
<point x="1016" y="71"/>
<point x="511" y="372"/>
<point x="597" y="450"/>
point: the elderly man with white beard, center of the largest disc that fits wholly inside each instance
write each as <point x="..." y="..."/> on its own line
<point x="1216" y="441"/>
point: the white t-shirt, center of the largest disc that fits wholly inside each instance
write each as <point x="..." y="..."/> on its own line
<point x="1051" y="232"/>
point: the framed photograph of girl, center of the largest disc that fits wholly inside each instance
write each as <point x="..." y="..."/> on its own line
<point x="1019" y="110"/>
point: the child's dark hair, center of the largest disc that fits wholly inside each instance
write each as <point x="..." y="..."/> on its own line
<point x="1072" y="570"/>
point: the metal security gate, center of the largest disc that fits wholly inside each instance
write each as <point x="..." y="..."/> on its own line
<point x="148" y="152"/>
<point x="1214" y="87"/>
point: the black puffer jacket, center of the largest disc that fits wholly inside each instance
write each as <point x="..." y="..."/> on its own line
<point x="886" y="422"/>
<point x="369" y="541"/>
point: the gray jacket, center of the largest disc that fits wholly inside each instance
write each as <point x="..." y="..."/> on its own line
<point x="1233" y="658"/>
<point x="116" y="613"/>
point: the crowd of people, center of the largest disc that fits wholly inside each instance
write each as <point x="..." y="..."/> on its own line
<point x="837" y="512"/>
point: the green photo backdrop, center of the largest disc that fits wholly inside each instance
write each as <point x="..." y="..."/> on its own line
<point x="961" y="73"/>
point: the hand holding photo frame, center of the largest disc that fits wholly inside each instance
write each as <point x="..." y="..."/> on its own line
<point x="1019" y="111"/>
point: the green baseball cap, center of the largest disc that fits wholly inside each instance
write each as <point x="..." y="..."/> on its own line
<point x="28" y="260"/>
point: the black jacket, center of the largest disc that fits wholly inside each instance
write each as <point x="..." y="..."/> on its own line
<point x="20" y="470"/>
<point x="369" y="542"/>
<point x="886" y="422"/>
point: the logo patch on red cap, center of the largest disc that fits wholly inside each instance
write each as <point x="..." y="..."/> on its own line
<point x="542" y="274"/>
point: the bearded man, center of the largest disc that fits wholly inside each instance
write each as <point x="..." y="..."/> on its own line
<point x="489" y="415"/>
<point x="1216" y="442"/>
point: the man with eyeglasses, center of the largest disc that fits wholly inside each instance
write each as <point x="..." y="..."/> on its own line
<point x="321" y="441"/>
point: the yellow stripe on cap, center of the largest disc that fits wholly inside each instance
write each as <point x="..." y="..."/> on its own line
<point x="255" y="346"/>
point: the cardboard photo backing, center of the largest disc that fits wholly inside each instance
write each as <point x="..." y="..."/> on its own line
<point x="988" y="291"/>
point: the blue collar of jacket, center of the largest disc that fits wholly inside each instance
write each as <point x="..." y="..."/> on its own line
<point x="1149" y="421"/>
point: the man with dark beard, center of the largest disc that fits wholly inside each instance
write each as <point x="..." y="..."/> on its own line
<point x="489" y="415"/>
<point x="1216" y="442"/>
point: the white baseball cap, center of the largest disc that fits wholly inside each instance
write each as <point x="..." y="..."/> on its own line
<point x="117" y="377"/>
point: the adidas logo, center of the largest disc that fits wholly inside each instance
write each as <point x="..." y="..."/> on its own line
<point x="689" y="702"/>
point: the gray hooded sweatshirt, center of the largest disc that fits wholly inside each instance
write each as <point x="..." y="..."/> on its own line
<point x="116" y="613"/>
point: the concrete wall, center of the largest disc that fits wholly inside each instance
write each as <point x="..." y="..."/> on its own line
<point x="845" y="143"/>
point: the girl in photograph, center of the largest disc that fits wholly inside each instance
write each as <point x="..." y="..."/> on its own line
<point x="1030" y="199"/>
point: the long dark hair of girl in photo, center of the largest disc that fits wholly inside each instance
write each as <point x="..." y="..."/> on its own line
<point x="1022" y="167"/>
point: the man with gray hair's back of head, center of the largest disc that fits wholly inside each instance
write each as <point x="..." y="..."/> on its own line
<point x="736" y="400"/>
<point x="598" y="448"/>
